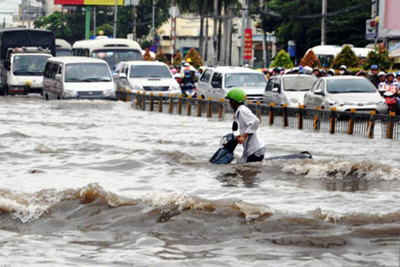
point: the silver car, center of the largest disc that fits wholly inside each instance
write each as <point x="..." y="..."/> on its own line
<point x="288" y="89"/>
<point x="345" y="93"/>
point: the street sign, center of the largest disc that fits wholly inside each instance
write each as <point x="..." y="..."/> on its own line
<point x="370" y="29"/>
<point x="132" y="2"/>
<point x="248" y="44"/>
<point x="173" y="11"/>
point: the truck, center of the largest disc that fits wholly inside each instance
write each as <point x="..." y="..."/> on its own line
<point x="23" y="57"/>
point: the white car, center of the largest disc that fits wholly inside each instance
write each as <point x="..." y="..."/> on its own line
<point x="345" y="93"/>
<point x="77" y="77"/>
<point x="288" y="89"/>
<point x="146" y="76"/>
<point x="217" y="82"/>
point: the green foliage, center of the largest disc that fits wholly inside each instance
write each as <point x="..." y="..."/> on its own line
<point x="64" y="26"/>
<point x="310" y="59"/>
<point x="346" y="57"/>
<point x="161" y="57"/>
<point x="380" y="57"/>
<point x="282" y="60"/>
<point x="195" y="58"/>
<point x="147" y="56"/>
<point x="177" y="59"/>
<point x="106" y="28"/>
<point x="300" y="21"/>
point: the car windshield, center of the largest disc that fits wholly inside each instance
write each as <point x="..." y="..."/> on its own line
<point x="149" y="71"/>
<point x="63" y="52"/>
<point x="32" y="65"/>
<point x="87" y="72"/>
<point x="299" y="83"/>
<point x="245" y="80"/>
<point x="113" y="57"/>
<point x="339" y="86"/>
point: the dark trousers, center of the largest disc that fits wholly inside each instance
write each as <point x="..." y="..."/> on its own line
<point x="254" y="158"/>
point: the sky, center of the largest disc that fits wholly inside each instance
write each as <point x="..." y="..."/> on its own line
<point x="8" y="6"/>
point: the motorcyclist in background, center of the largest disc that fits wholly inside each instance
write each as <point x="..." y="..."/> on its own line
<point x="187" y="82"/>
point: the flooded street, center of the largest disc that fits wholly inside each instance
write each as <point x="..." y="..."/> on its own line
<point x="99" y="183"/>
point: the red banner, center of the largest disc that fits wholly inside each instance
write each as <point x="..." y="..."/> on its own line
<point x="248" y="44"/>
<point x="88" y="2"/>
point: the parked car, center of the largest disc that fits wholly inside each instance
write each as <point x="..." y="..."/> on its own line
<point x="77" y="77"/>
<point x="217" y="82"/>
<point x="146" y="76"/>
<point x="345" y="93"/>
<point x="288" y="89"/>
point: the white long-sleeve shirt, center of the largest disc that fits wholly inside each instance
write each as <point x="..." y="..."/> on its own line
<point x="248" y="124"/>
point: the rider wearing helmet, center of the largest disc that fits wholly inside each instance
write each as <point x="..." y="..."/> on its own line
<point x="253" y="146"/>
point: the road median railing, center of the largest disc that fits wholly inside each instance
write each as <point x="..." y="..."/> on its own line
<point x="318" y="120"/>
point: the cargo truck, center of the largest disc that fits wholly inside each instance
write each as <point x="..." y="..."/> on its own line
<point x="23" y="57"/>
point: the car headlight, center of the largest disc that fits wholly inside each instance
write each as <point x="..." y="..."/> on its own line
<point x="137" y="88"/>
<point x="70" y="93"/>
<point x="109" y="93"/>
<point x="174" y="88"/>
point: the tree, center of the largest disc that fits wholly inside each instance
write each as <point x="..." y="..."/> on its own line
<point x="147" y="56"/>
<point x="195" y="58"/>
<point x="161" y="57"/>
<point x="346" y="57"/>
<point x="282" y="60"/>
<point x="380" y="57"/>
<point x="64" y="26"/>
<point x="300" y="21"/>
<point x="178" y="59"/>
<point x="310" y="59"/>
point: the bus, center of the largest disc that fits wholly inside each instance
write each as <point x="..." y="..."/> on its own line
<point x="63" y="48"/>
<point x="327" y="53"/>
<point x="112" y="50"/>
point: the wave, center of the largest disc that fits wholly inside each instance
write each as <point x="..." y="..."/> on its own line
<point x="14" y="134"/>
<point x="337" y="169"/>
<point x="42" y="149"/>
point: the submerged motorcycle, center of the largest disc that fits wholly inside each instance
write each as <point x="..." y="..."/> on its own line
<point x="225" y="155"/>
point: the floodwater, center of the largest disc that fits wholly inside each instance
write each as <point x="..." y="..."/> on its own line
<point x="97" y="183"/>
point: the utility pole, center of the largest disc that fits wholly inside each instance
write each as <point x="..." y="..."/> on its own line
<point x="29" y="14"/>
<point x="244" y="25"/>
<point x="264" y="41"/>
<point x="115" y="19"/>
<point x="153" y="24"/>
<point x="94" y="21"/>
<point x="134" y="22"/>
<point x="323" y="21"/>
<point x="215" y="38"/>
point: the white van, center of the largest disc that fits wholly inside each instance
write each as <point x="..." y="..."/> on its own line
<point x="217" y="82"/>
<point x="77" y="77"/>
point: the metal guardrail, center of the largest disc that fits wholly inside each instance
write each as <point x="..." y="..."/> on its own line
<point x="318" y="120"/>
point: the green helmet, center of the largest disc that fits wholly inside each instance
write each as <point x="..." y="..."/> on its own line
<point x="237" y="94"/>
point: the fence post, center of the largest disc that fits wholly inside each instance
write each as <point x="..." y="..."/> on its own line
<point x="316" y="119"/>
<point x="199" y="106"/>
<point x="188" y="105"/>
<point x="151" y="104"/>
<point x="137" y="99"/>
<point x="180" y="104"/>
<point x="285" y="115"/>
<point x="300" y="117"/>
<point x="170" y="104"/>
<point x="332" y="120"/>
<point x="371" y="124"/>
<point x="390" y="125"/>
<point x="120" y="94"/>
<point x="209" y="108"/>
<point x="127" y="99"/>
<point x="259" y="111"/>
<point x="271" y="113"/>
<point x="143" y="103"/>
<point x="220" y="108"/>
<point x="160" y="102"/>
<point x="350" y="129"/>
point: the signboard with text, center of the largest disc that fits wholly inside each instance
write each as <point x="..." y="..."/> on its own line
<point x="248" y="44"/>
<point x="88" y="2"/>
